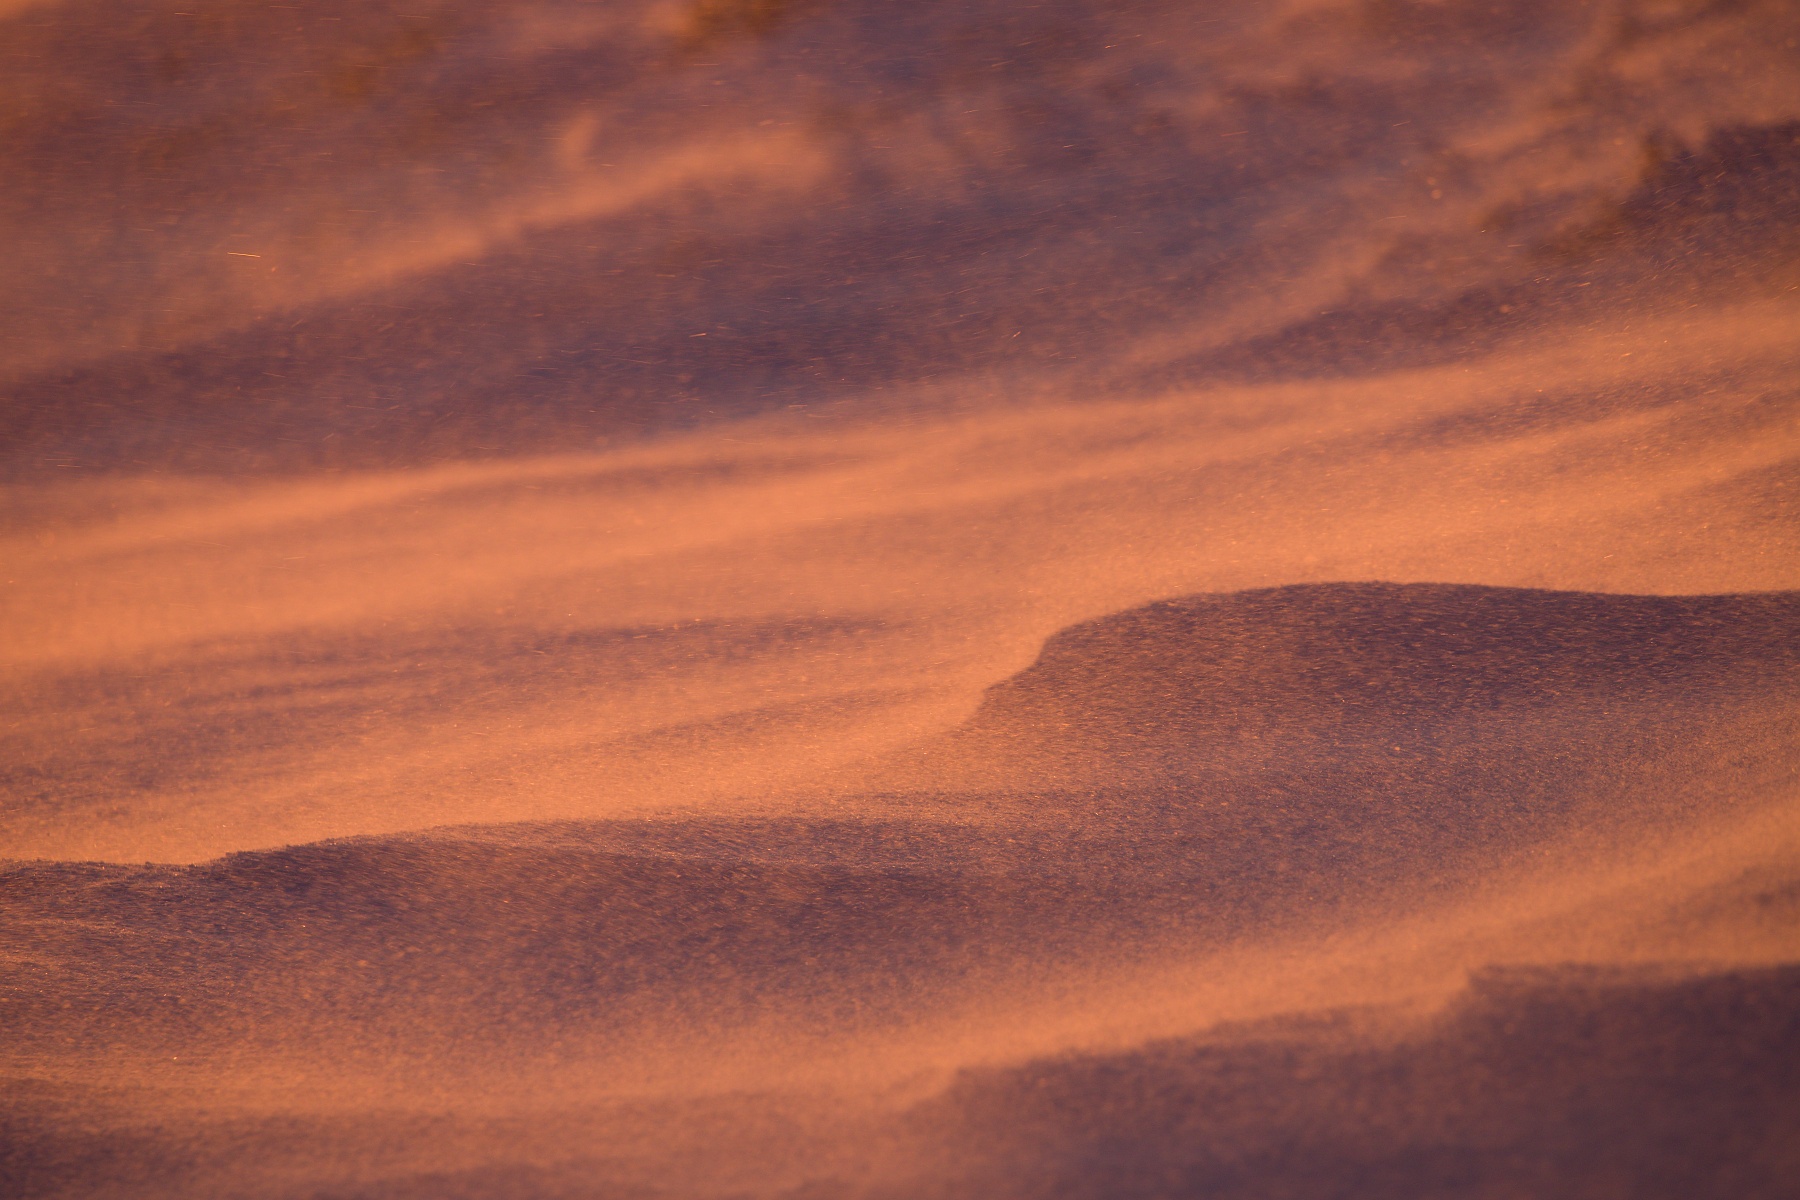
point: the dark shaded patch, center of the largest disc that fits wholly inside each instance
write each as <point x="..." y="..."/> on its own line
<point x="708" y="21"/>
<point x="1705" y="222"/>
<point x="1387" y="655"/>
<point x="1552" y="1083"/>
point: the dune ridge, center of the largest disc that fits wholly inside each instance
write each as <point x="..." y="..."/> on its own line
<point x="478" y="949"/>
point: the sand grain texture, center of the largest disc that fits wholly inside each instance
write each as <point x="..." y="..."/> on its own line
<point x="729" y="599"/>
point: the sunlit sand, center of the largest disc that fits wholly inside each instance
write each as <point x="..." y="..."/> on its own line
<point x="828" y="600"/>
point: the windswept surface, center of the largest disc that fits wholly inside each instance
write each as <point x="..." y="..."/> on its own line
<point x="827" y="599"/>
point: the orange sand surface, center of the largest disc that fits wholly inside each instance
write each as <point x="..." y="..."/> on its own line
<point x="823" y="599"/>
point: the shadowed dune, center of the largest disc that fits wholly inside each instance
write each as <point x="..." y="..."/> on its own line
<point x="1312" y="741"/>
<point x="1269" y="763"/>
<point x="1549" y="1082"/>
<point x="1181" y="685"/>
<point x="1553" y="1081"/>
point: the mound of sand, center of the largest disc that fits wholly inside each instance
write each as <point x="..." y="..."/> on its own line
<point x="1201" y="774"/>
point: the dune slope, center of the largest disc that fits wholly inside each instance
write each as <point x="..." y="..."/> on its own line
<point x="1196" y="781"/>
<point x="846" y="599"/>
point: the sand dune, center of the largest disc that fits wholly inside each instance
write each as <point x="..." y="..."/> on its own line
<point x="1282" y="765"/>
<point x="827" y="599"/>
<point x="1563" y="1083"/>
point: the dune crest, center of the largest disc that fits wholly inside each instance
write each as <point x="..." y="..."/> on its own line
<point x="1136" y="833"/>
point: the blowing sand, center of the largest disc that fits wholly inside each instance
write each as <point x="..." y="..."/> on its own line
<point x="829" y="600"/>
